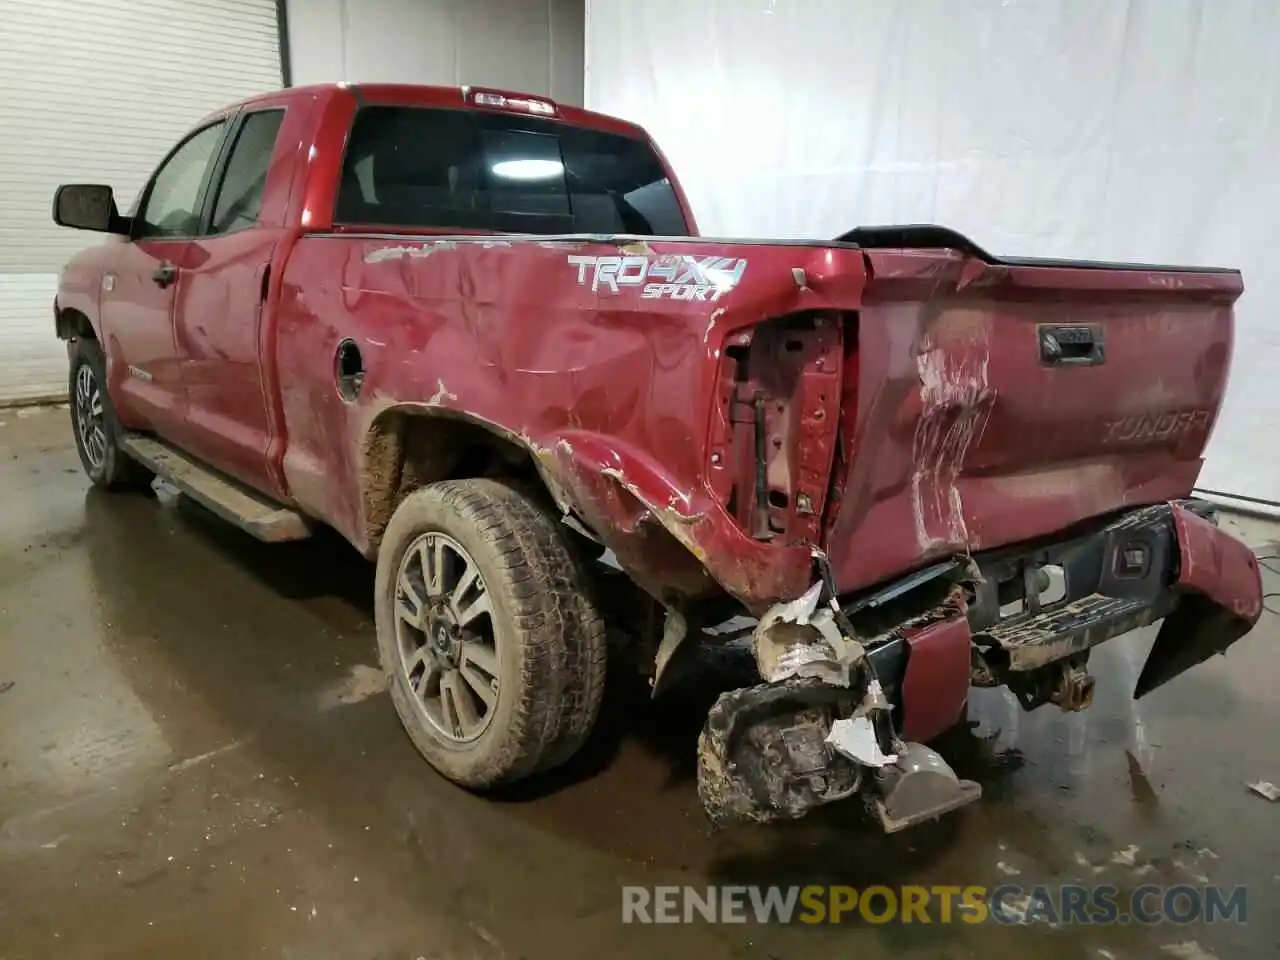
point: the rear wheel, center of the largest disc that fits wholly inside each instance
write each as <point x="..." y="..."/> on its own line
<point x="94" y="424"/>
<point x="493" y="647"/>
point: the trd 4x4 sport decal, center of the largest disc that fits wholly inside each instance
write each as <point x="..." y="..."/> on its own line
<point x="667" y="276"/>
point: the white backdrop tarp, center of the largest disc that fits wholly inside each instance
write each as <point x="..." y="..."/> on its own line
<point x="1102" y="129"/>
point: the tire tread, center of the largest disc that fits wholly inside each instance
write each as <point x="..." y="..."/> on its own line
<point x="560" y="632"/>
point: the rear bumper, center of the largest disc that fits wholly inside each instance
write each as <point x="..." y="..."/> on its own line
<point x="1167" y="561"/>
<point x="1024" y="617"/>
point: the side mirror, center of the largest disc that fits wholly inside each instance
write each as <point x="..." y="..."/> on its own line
<point x="88" y="206"/>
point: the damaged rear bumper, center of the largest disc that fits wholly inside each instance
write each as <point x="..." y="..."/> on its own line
<point x="1025" y="617"/>
<point x="1167" y="561"/>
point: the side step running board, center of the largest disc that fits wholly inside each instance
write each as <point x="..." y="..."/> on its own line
<point x="249" y="510"/>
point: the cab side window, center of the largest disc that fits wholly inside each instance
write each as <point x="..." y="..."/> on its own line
<point x="239" y="199"/>
<point x="172" y="206"/>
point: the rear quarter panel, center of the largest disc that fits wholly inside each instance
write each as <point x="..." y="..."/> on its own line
<point x="611" y="391"/>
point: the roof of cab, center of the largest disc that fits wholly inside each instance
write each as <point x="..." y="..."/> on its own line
<point x="455" y="97"/>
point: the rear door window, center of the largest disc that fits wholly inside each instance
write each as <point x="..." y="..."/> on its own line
<point x="240" y="193"/>
<point x="424" y="167"/>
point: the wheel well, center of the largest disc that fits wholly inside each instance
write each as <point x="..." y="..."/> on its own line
<point x="408" y="448"/>
<point x="74" y="325"/>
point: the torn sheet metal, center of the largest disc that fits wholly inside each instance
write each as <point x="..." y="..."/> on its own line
<point x="675" y="630"/>
<point x="796" y="639"/>
<point x="1266" y="790"/>
<point x="855" y="738"/>
<point x="874" y="698"/>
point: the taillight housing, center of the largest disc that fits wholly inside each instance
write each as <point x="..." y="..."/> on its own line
<point x="775" y="430"/>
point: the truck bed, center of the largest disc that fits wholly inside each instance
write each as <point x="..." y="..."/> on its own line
<point x="714" y="410"/>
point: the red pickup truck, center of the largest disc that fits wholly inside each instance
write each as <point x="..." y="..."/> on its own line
<point x="478" y="334"/>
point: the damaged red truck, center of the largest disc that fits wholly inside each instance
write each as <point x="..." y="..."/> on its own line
<point x="477" y="333"/>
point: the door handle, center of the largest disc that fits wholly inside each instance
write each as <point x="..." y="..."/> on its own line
<point x="164" y="275"/>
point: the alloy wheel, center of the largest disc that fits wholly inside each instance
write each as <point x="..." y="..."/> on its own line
<point x="445" y="636"/>
<point x="89" y="417"/>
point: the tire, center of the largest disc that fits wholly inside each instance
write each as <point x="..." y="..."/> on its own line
<point x="94" y="424"/>
<point x="542" y="639"/>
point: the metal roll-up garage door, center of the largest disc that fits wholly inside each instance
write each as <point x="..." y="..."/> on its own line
<point x="98" y="92"/>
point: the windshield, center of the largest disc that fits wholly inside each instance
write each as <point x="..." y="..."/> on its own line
<point x="430" y="167"/>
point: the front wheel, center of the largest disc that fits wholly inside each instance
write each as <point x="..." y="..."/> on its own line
<point x="493" y="648"/>
<point x="94" y="424"/>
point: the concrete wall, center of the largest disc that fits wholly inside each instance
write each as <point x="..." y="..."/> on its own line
<point x="535" y="46"/>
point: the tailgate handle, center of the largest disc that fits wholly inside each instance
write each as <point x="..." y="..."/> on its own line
<point x="1066" y="345"/>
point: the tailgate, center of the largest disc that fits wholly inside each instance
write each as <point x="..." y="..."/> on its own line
<point x="989" y="403"/>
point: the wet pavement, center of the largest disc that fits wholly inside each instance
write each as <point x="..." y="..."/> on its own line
<point x="197" y="760"/>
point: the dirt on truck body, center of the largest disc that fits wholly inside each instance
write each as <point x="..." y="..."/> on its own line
<point x="488" y="345"/>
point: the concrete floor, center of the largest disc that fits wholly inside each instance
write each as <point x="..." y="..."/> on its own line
<point x="196" y="760"/>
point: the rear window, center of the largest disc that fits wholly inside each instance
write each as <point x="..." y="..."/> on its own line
<point x="422" y="167"/>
